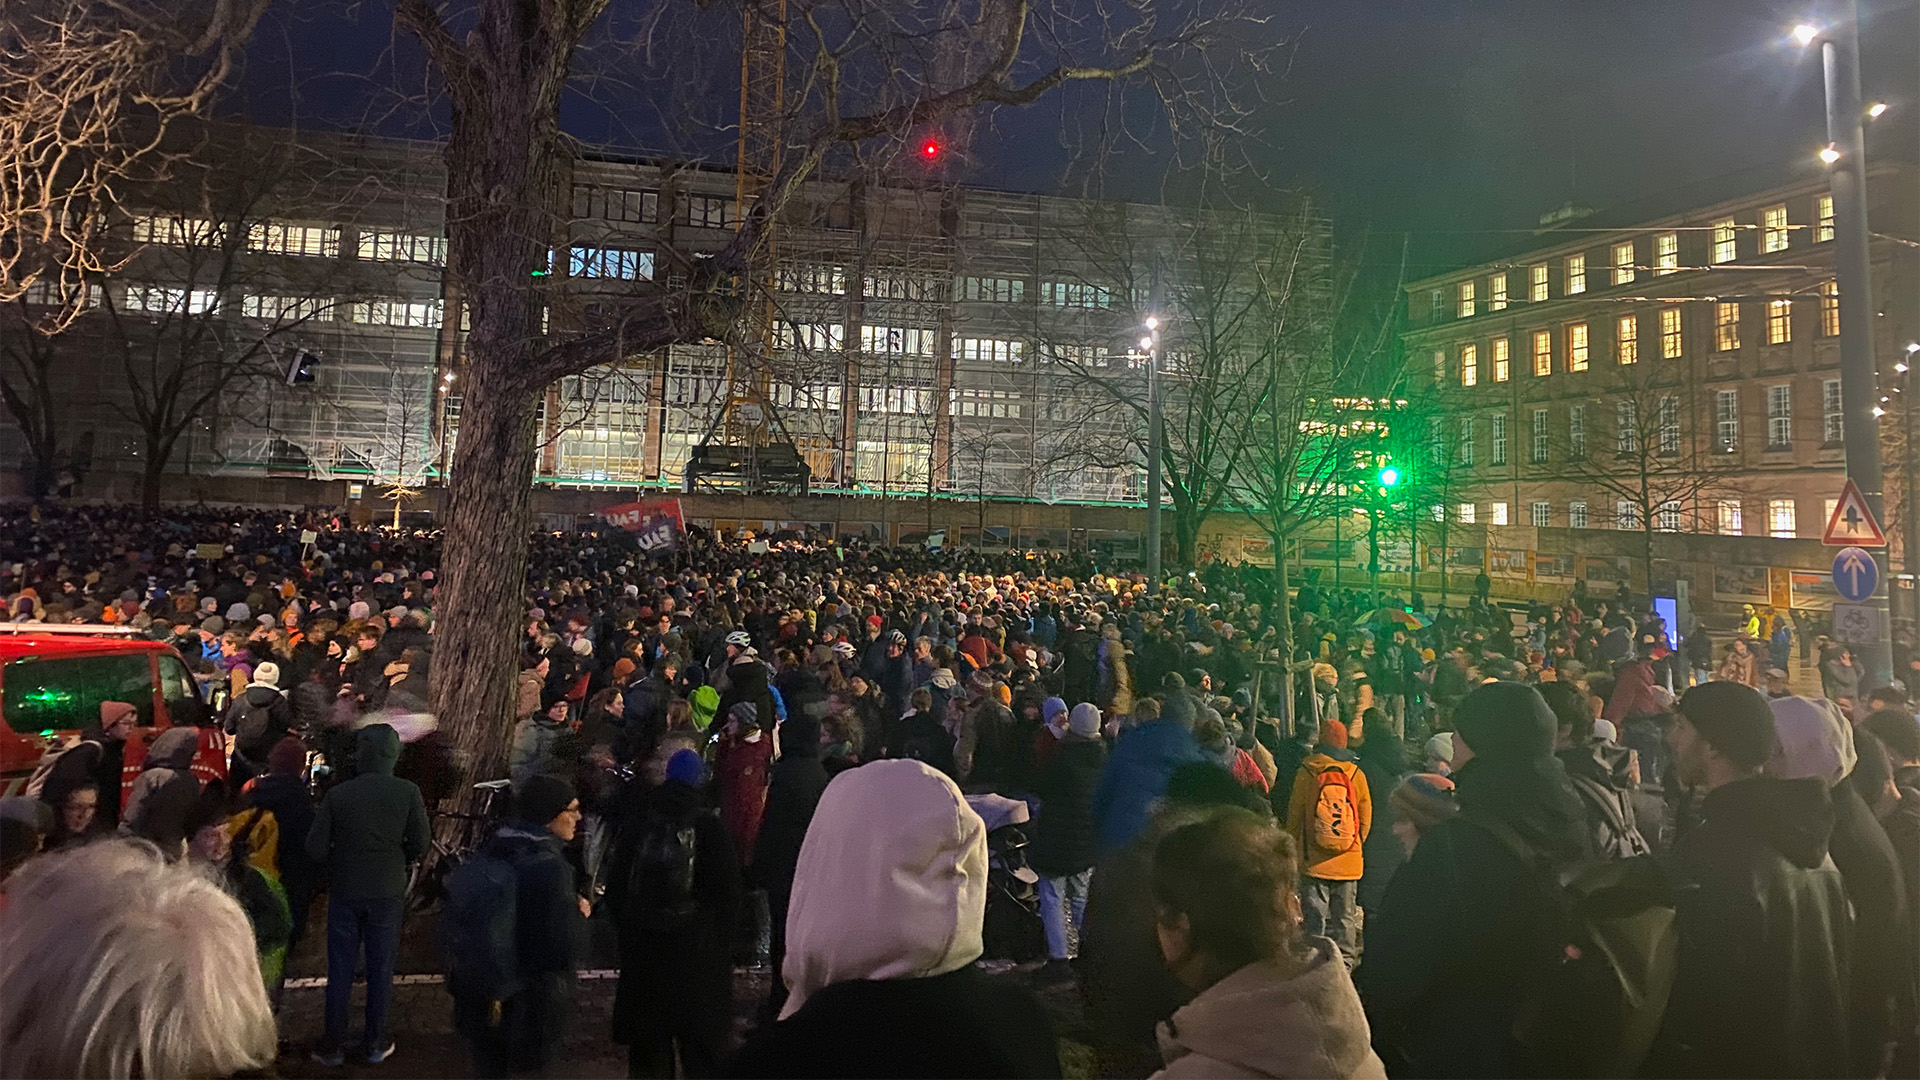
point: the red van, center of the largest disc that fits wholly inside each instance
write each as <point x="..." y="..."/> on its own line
<point x="53" y="679"/>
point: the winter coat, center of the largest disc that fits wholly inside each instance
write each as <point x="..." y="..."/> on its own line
<point x="526" y="694"/>
<point x="675" y="979"/>
<point x="1875" y="881"/>
<point x="1305" y="803"/>
<point x="1632" y="693"/>
<point x="1840" y="680"/>
<point x="1450" y="951"/>
<point x="284" y="795"/>
<point x="1135" y="776"/>
<point x="1262" y="1022"/>
<point x="1760" y="987"/>
<point x="369" y="828"/>
<point x="1125" y="981"/>
<point x="1741" y="669"/>
<point x="164" y="794"/>
<point x="279" y="720"/>
<point x="794" y="785"/>
<point x="536" y="742"/>
<point x="747" y="682"/>
<point x="1063" y="837"/>
<point x="740" y="767"/>
<point x="988" y="752"/>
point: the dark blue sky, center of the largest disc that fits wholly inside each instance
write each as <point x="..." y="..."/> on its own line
<point x="1455" y="120"/>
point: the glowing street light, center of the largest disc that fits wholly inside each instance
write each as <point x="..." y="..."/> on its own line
<point x="1829" y="154"/>
<point x="1805" y="33"/>
<point x="1876" y="110"/>
<point x="1153" y="322"/>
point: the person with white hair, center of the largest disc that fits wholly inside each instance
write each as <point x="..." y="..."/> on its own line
<point x="888" y="904"/>
<point x="99" y="984"/>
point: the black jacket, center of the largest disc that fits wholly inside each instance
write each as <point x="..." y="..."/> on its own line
<point x="1064" y="839"/>
<point x="284" y="795"/>
<point x="369" y="828"/>
<point x="94" y="759"/>
<point x="1882" y="982"/>
<point x="747" y="683"/>
<point x="794" y="786"/>
<point x="961" y="1024"/>
<point x="279" y="721"/>
<point x="1763" y="974"/>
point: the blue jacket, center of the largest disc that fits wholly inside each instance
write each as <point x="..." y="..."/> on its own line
<point x="1136" y="775"/>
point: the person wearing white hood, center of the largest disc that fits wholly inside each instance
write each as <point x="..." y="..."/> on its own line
<point x="884" y="928"/>
<point x="1269" y="1002"/>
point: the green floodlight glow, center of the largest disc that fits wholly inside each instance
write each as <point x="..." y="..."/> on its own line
<point x="1389" y="476"/>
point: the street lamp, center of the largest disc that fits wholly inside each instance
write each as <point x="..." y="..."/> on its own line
<point x="1149" y="344"/>
<point x="1846" y="160"/>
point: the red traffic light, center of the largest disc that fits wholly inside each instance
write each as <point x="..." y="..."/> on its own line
<point x="930" y="149"/>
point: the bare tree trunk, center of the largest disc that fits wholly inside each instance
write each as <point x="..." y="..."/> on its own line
<point x="151" y="472"/>
<point x="1285" y="604"/>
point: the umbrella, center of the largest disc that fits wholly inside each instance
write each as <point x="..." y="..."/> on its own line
<point x="1403" y="618"/>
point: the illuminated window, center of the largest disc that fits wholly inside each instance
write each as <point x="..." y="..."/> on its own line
<point x="1577" y="432"/>
<point x="380" y="246"/>
<point x="1666" y="253"/>
<point x="1627" y="339"/>
<point x="1498" y="515"/>
<point x="1780" y="524"/>
<point x="1469" y="365"/>
<point x="1666" y="517"/>
<point x="1543" y="352"/>
<point x="1500" y="443"/>
<point x="1542" y="515"/>
<point x="1823" y="208"/>
<point x="160" y="300"/>
<point x="279" y="238"/>
<point x="1541" y="437"/>
<point x="897" y="340"/>
<point x="821" y="278"/>
<point x="1669" y="426"/>
<point x="1726" y="325"/>
<point x="1577" y="347"/>
<point x="1730" y="524"/>
<point x="1466" y="440"/>
<point x="1779" y="322"/>
<point x="809" y="337"/>
<point x="1466" y="513"/>
<point x="1497" y="293"/>
<point x="1780" y="417"/>
<point x="1833" y="415"/>
<point x="1537" y="282"/>
<point x="1466" y="299"/>
<point x="1726" y="418"/>
<point x="1773" y="229"/>
<point x="1623" y="263"/>
<point x="1576" y="274"/>
<point x="617" y="263"/>
<point x="419" y="314"/>
<point x="1502" y="360"/>
<point x="282" y="308"/>
<point x="174" y="231"/>
<point x="994" y="350"/>
<point x="1577" y="514"/>
<point x="1725" y="246"/>
<point x="1670" y="337"/>
<point x="1830" y="309"/>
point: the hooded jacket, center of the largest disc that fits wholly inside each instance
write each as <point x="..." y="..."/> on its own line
<point x="1136" y="775"/>
<point x="164" y="794"/>
<point x="1762" y="975"/>
<point x="1316" y="861"/>
<point x="882" y="934"/>
<point x="1259" y="1022"/>
<point x="369" y="828"/>
<point x="1602" y="775"/>
<point x="279" y="719"/>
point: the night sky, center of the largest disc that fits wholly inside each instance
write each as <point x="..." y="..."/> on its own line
<point x="1456" y="121"/>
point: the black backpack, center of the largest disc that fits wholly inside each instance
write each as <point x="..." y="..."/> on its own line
<point x="1610" y="817"/>
<point x="1598" y="992"/>
<point x="660" y="880"/>
<point x="477" y="924"/>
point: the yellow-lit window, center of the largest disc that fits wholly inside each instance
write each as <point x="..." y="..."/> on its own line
<point x="1823" y="209"/>
<point x="1537" y="282"/>
<point x="1497" y="293"/>
<point x="1773" y="229"/>
<point x="1543" y="352"/>
<point x="1466" y="299"/>
<point x="1576" y="274"/>
<point x="1628" y="339"/>
<point x="1666" y="253"/>
<point x="1502" y="360"/>
<point x="1469" y="365"/>
<point x="1577" y="347"/>
<point x="1623" y="263"/>
<point x="1671" y="342"/>
<point x="1726" y="326"/>
<point x="1725" y="249"/>
<point x="1779" y="322"/>
<point x="1830" y="309"/>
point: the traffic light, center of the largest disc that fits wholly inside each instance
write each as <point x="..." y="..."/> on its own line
<point x="1389" y="476"/>
<point x="930" y="149"/>
<point x="300" y="368"/>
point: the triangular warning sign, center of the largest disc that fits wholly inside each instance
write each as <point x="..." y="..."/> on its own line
<point x="1852" y="524"/>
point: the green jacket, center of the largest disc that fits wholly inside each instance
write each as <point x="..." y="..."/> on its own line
<point x="368" y="829"/>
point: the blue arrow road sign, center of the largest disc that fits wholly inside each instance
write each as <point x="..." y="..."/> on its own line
<point x="1855" y="575"/>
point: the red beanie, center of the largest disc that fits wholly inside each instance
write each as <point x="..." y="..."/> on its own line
<point x="1334" y="734"/>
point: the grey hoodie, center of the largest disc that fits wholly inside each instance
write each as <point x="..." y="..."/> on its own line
<point x="1257" y="1022"/>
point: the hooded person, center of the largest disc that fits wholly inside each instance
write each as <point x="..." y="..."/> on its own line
<point x="674" y="890"/>
<point x="1452" y="948"/>
<point x="888" y="906"/>
<point x="1136" y="772"/>
<point x="166" y="791"/>
<point x="1814" y="741"/>
<point x="794" y="785"/>
<point x="1762" y="972"/>
<point x="95" y="758"/>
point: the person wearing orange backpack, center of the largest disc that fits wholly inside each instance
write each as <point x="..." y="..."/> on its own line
<point x="1330" y="814"/>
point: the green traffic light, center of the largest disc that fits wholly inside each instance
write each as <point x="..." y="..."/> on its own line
<point x="1389" y="476"/>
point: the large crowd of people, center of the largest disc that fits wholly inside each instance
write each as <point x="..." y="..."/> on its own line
<point x="1263" y="834"/>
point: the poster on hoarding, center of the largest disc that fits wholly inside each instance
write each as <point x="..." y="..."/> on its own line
<point x="1507" y="562"/>
<point x="1742" y="584"/>
<point x="655" y="523"/>
<point x="1555" y="568"/>
<point x="1607" y="569"/>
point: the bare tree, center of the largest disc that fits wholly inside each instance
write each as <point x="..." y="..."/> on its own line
<point x="868" y="76"/>
<point x="1655" y="456"/>
<point x="88" y="92"/>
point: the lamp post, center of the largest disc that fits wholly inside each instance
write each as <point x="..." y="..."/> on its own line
<point x="1846" y="159"/>
<point x="1150" y="345"/>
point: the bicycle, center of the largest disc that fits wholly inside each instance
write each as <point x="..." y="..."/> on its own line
<point x="427" y="877"/>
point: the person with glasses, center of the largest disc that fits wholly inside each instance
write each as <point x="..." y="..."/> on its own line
<point x="78" y="819"/>
<point x="523" y="1032"/>
<point x="94" y="759"/>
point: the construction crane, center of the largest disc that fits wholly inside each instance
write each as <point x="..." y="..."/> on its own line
<point x="747" y="447"/>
